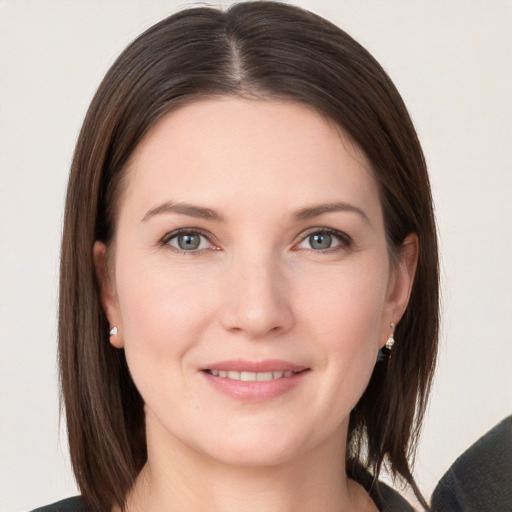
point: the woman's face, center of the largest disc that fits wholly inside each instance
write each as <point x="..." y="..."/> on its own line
<point x="251" y="284"/>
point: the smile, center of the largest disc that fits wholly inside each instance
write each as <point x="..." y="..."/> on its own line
<point x="254" y="381"/>
<point x="251" y="376"/>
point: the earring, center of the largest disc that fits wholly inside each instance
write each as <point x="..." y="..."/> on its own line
<point x="113" y="331"/>
<point x="391" y="339"/>
<point x="385" y="352"/>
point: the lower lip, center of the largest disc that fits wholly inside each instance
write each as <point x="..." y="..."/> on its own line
<point x="255" y="391"/>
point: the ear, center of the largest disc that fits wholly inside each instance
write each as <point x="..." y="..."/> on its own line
<point x="108" y="297"/>
<point x="400" y="285"/>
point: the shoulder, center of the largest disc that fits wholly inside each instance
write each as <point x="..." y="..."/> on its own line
<point x="390" y="500"/>
<point x="75" y="504"/>
<point x="386" y="499"/>
<point x="481" y="478"/>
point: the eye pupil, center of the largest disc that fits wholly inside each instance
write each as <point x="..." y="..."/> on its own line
<point x="189" y="242"/>
<point x="320" y="241"/>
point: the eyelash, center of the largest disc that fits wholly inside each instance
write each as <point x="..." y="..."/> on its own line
<point x="345" y="241"/>
<point x="187" y="231"/>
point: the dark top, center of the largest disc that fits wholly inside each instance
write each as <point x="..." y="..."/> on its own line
<point x="68" y="505"/>
<point x="480" y="479"/>
<point x="386" y="499"/>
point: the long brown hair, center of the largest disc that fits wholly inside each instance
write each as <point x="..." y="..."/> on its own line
<point x="261" y="50"/>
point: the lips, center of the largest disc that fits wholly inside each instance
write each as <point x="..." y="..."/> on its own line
<point x="243" y="365"/>
<point x="254" y="381"/>
<point x="254" y="371"/>
<point x="251" y="376"/>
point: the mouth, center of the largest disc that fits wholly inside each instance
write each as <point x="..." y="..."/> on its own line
<point x="252" y="376"/>
<point x="254" y="381"/>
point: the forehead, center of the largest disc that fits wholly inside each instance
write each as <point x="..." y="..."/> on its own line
<point x="222" y="152"/>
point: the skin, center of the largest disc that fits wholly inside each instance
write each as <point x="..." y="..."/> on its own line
<point x="257" y="288"/>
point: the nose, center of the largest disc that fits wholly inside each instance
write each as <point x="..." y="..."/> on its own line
<point x="257" y="302"/>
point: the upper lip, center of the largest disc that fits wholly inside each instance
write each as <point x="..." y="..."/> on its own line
<point x="243" y="365"/>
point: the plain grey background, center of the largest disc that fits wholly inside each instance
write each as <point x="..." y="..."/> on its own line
<point x="451" y="61"/>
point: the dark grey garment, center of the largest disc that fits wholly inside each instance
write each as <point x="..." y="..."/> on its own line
<point x="390" y="501"/>
<point x="68" y="505"/>
<point x="480" y="480"/>
<point x="386" y="499"/>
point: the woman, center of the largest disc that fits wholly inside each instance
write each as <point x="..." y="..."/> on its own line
<point x="249" y="281"/>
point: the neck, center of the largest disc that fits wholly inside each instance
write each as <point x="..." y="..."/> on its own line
<point x="183" y="479"/>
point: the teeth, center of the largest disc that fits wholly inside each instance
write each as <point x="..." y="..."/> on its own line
<point x="251" y="376"/>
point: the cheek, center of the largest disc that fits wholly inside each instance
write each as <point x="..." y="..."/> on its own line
<point x="346" y="305"/>
<point x="351" y="339"/>
<point x="345" y="319"/>
<point x="163" y="314"/>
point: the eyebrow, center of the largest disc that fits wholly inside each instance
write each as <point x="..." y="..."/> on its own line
<point x="316" y="211"/>
<point x="184" y="209"/>
<point x="209" y="214"/>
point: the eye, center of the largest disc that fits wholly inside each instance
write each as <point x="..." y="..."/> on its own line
<point x="188" y="241"/>
<point x="324" y="240"/>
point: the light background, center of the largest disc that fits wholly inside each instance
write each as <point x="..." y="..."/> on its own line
<point x="451" y="60"/>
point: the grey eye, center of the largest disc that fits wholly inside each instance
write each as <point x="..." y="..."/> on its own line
<point x="189" y="241"/>
<point x="320" y="241"/>
<point x="323" y="240"/>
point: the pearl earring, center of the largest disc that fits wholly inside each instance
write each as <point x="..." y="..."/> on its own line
<point x="391" y="339"/>
<point x="113" y="331"/>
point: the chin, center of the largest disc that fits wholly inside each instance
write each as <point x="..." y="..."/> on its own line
<point x="256" y="446"/>
<point x="256" y="455"/>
